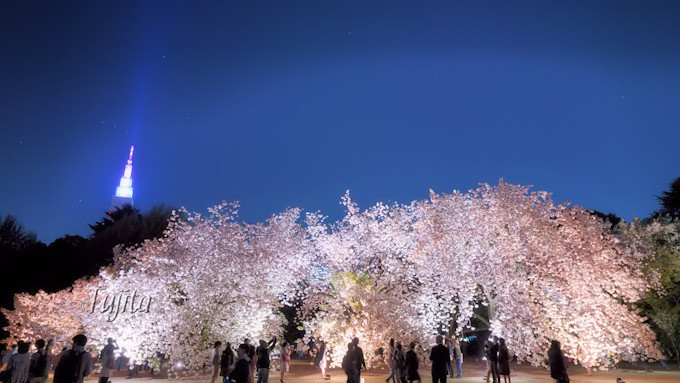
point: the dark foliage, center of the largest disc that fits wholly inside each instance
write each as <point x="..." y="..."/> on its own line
<point x="670" y="200"/>
<point x="28" y="265"/>
<point x="610" y="218"/>
<point x="13" y="235"/>
<point x="125" y="226"/>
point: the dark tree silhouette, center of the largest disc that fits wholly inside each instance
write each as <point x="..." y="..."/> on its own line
<point x="13" y="235"/>
<point x="20" y="261"/>
<point x="125" y="226"/>
<point x="64" y="262"/>
<point x="19" y="251"/>
<point x="111" y="217"/>
<point x="28" y="265"/>
<point x="670" y="200"/>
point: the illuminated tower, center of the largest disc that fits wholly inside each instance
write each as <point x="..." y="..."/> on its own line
<point x="124" y="190"/>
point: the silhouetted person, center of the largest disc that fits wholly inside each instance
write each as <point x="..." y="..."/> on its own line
<point x="252" y="356"/>
<point x="458" y="356"/>
<point x="74" y="364"/>
<point x="108" y="360"/>
<point x="40" y="363"/>
<point x="503" y="361"/>
<point x="215" y="361"/>
<point x="359" y="359"/>
<point x="262" y="362"/>
<point x="4" y="355"/>
<point x="226" y="361"/>
<point x="400" y="363"/>
<point x="493" y="360"/>
<point x="19" y="364"/>
<point x="321" y="359"/>
<point x="412" y="364"/>
<point x="390" y="361"/>
<point x="122" y="360"/>
<point x="349" y="364"/>
<point x="558" y="369"/>
<point x="449" y="366"/>
<point x="241" y="371"/>
<point x="440" y="357"/>
<point x="487" y="353"/>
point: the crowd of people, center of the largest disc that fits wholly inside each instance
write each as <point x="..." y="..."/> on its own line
<point x="446" y="359"/>
<point x="250" y="363"/>
<point x="447" y="353"/>
<point x="403" y="365"/>
<point x="497" y="360"/>
<point x="70" y="366"/>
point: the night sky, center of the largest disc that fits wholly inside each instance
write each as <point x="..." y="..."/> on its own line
<point x="290" y="103"/>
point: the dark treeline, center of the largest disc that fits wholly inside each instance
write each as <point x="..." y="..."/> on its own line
<point x="28" y="265"/>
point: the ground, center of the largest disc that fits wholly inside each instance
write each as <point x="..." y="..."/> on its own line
<point x="473" y="372"/>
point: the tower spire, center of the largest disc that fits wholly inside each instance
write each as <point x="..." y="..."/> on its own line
<point x="124" y="190"/>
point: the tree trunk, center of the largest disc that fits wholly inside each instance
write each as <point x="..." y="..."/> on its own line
<point x="492" y="307"/>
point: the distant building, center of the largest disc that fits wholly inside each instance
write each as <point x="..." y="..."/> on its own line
<point x="124" y="190"/>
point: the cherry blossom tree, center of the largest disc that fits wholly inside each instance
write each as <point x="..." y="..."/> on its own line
<point x="209" y="278"/>
<point x="547" y="272"/>
<point x="404" y="271"/>
<point x="57" y="316"/>
<point x="364" y="285"/>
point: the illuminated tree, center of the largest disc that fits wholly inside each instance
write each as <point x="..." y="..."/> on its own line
<point x="545" y="271"/>
<point x="364" y="284"/>
<point x="208" y="278"/>
<point x="57" y="316"/>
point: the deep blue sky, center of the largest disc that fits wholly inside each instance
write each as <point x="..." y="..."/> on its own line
<point x="290" y="103"/>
